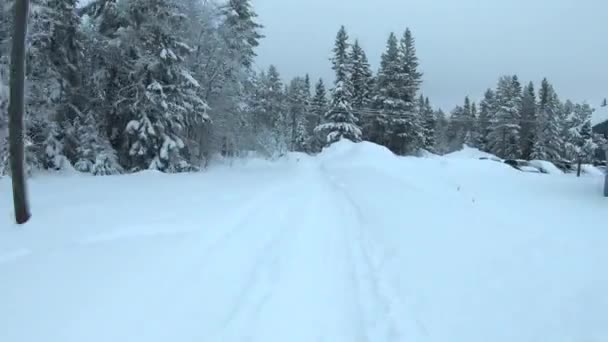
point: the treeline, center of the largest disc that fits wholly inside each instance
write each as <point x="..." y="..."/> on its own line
<point x="519" y="123"/>
<point x="122" y="86"/>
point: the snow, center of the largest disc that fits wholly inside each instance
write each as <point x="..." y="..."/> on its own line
<point x="354" y="244"/>
<point x="589" y="169"/>
<point x="546" y="167"/>
<point x="470" y="152"/>
<point x="193" y="82"/>
<point x="599" y="116"/>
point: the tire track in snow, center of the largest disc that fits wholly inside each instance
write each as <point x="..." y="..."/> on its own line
<point x="383" y="309"/>
<point x="262" y="277"/>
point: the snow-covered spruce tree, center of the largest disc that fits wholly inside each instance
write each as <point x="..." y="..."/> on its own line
<point x="241" y="31"/>
<point x="410" y="64"/>
<point x="429" y="123"/>
<point x="297" y="99"/>
<point x="580" y="145"/>
<point x="361" y="78"/>
<point x="528" y="120"/>
<point x="441" y="131"/>
<point x="505" y="136"/>
<point x="568" y="123"/>
<point x="318" y="108"/>
<point x="54" y="78"/>
<point x="471" y="137"/>
<point x="269" y="110"/>
<point x="340" y="121"/>
<point x="93" y="151"/>
<point x="162" y="99"/>
<point x="456" y="128"/>
<point x="487" y="109"/>
<point x="387" y="96"/>
<point x="407" y="128"/>
<point x="548" y="142"/>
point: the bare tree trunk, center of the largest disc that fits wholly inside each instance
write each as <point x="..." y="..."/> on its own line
<point x="578" y="170"/>
<point x="16" y="111"/>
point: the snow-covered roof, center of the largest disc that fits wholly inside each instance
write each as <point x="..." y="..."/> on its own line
<point x="600" y="115"/>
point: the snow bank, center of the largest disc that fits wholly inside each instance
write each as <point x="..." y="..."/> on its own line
<point x="346" y="151"/>
<point x="471" y="153"/>
<point x="546" y="167"/>
<point x="591" y="170"/>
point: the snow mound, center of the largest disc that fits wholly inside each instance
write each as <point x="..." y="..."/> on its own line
<point x="591" y="170"/>
<point x="546" y="167"/>
<point x="468" y="152"/>
<point x="599" y="116"/>
<point x="362" y="152"/>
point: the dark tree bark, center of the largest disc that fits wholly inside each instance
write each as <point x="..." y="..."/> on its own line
<point x="16" y="111"/>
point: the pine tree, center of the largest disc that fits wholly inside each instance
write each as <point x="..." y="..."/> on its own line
<point x="548" y="142"/>
<point x="505" y="135"/>
<point x="408" y="128"/>
<point x="471" y="137"/>
<point x="241" y="31"/>
<point x="580" y="145"/>
<point x="318" y="108"/>
<point x="487" y="109"/>
<point x="429" y="123"/>
<point x="361" y="77"/>
<point x="297" y="98"/>
<point x="387" y="97"/>
<point x="528" y="120"/>
<point x="165" y="101"/>
<point x="340" y="120"/>
<point x="441" y="132"/>
<point x="412" y="76"/>
<point x="605" y="103"/>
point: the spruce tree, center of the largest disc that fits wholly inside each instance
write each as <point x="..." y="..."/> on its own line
<point x="164" y="98"/>
<point x="340" y="121"/>
<point x="297" y="98"/>
<point x="528" y="120"/>
<point x="409" y="126"/>
<point x="505" y="134"/>
<point x="441" y="131"/>
<point x="387" y="98"/>
<point x="471" y="137"/>
<point x="412" y="76"/>
<point x="318" y="109"/>
<point x="605" y="103"/>
<point x="487" y="109"/>
<point x="429" y="123"/>
<point x="361" y="78"/>
<point x="241" y="31"/>
<point x="548" y="142"/>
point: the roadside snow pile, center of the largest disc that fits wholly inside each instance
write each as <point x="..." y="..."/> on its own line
<point x="346" y="151"/>
<point x="471" y="153"/>
<point x="591" y="170"/>
<point x="546" y="167"/>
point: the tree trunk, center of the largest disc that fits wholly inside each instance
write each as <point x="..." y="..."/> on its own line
<point x="16" y="112"/>
<point x="578" y="170"/>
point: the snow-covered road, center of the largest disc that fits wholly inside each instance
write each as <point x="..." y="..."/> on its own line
<point x="352" y="245"/>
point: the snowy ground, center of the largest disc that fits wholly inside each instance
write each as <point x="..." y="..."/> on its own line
<point x="352" y="245"/>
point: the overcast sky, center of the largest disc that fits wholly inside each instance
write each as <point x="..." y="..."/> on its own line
<point x="463" y="45"/>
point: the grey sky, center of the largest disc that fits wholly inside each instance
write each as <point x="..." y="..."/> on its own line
<point x="463" y="45"/>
